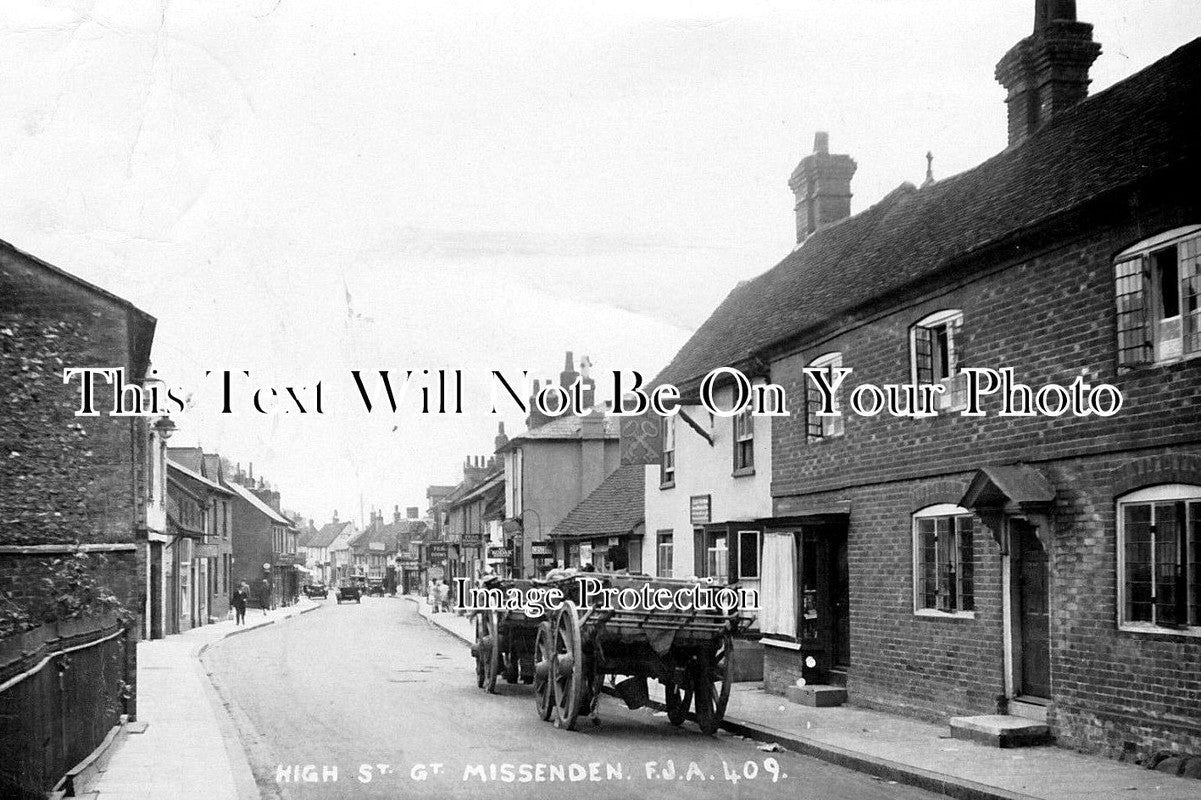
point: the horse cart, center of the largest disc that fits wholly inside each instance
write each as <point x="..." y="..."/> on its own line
<point x="689" y="651"/>
<point x="566" y="654"/>
<point x="505" y="640"/>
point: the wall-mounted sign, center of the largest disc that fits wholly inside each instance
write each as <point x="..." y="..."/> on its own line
<point x="700" y="509"/>
<point x="471" y="540"/>
<point x="498" y="552"/>
<point x="376" y="546"/>
<point x="543" y="549"/>
<point x="435" y="552"/>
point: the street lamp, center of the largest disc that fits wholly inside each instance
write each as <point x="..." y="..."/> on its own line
<point x="538" y="519"/>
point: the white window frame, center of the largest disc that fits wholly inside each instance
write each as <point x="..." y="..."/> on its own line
<point x="1160" y="493"/>
<point x="664" y="566"/>
<point x="938" y="510"/>
<point x="717" y="556"/>
<point x="832" y="426"/>
<point x="954" y="396"/>
<point x="667" y="472"/>
<point x="744" y="441"/>
<point x="758" y="554"/>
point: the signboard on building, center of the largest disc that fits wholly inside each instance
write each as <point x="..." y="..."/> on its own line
<point x="471" y="540"/>
<point x="498" y="552"/>
<point x="700" y="509"/>
<point x="435" y="552"/>
<point x="542" y="549"/>
<point x="377" y="546"/>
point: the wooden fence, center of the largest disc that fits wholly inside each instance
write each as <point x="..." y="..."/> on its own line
<point x="62" y="689"/>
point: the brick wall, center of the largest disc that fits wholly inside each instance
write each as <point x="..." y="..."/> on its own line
<point x="1050" y="316"/>
<point x="65" y="479"/>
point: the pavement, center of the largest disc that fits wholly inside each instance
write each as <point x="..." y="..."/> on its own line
<point x="186" y="739"/>
<point x="372" y="702"/>
<point x="917" y="753"/>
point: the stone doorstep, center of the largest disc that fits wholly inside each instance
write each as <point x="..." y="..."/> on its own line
<point x="1036" y="712"/>
<point x="816" y="695"/>
<point x="999" y="730"/>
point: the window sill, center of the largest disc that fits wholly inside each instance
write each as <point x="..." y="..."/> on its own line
<point x="668" y="484"/>
<point x="933" y="613"/>
<point x="780" y="643"/>
<point x="1157" y="630"/>
<point x="823" y="439"/>
<point x="743" y="472"/>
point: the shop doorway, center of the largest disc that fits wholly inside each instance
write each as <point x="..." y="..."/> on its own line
<point x="1031" y="598"/>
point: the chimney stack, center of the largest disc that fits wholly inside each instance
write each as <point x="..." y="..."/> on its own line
<point x="1047" y="71"/>
<point x="501" y="440"/>
<point x="822" y="185"/>
<point x="587" y="384"/>
<point x="536" y="418"/>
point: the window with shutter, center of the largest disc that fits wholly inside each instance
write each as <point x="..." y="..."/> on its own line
<point x="1157" y="289"/>
<point x="936" y="342"/>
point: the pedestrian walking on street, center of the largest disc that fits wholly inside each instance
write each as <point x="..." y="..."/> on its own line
<point x="444" y="596"/>
<point x="240" y="599"/>
<point x="431" y="593"/>
<point x="265" y="591"/>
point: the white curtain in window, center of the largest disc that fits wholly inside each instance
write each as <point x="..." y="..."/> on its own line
<point x="777" y="590"/>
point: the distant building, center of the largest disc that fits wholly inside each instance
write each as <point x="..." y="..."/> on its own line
<point x="264" y="545"/>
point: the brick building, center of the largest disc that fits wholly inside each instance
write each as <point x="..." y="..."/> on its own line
<point x="1047" y="566"/>
<point x="202" y="552"/>
<point x="90" y="486"/>
<point x="264" y="544"/>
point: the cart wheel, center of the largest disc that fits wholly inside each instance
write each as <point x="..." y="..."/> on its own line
<point x="677" y="704"/>
<point x="544" y="650"/>
<point x="711" y="684"/>
<point x="723" y="675"/>
<point x="567" y="667"/>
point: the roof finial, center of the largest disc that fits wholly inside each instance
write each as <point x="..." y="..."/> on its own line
<point x="929" y="168"/>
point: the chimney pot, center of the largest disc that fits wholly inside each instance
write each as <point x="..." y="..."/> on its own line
<point x="822" y="186"/>
<point x="1047" y="72"/>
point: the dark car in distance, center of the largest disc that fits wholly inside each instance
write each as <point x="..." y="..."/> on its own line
<point x="316" y="590"/>
<point x="350" y="591"/>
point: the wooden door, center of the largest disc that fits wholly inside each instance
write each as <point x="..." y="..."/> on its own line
<point x="1033" y="609"/>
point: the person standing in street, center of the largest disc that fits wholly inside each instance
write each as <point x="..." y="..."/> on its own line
<point x="444" y="596"/>
<point x="431" y="593"/>
<point x="238" y="601"/>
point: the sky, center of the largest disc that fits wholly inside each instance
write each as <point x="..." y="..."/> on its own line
<point x="299" y="189"/>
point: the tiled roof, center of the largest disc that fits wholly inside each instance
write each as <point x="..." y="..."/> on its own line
<point x="566" y="427"/>
<point x="394" y="536"/>
<point x="196" y="476"/>
<point x="1143" y="125"/>
<point x="614" y="508"/>
<point x="262" y="507"/>
<point x="327" y="533"/>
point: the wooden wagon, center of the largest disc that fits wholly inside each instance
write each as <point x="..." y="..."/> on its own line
<point x="689" y="652"/>
<point x="505" y="640"/>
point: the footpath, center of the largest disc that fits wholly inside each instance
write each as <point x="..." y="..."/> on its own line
<point x="184" y="744"/>
<point x="917" y="753"/>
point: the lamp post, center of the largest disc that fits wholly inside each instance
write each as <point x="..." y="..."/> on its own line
<point x="538" y="519"/>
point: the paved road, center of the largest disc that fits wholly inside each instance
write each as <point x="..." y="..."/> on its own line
<point x="378" y="694"/>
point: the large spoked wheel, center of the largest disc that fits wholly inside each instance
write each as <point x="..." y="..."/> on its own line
<point x="723" y="675"/>
<point x="567" y="667"/>
<point x="712" y="674"/>
<point x="677" y="704"/>
<point x="487" y="654"/>
<point x="544" y="650"/>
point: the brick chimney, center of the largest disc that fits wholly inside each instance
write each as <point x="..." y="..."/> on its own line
<point x="1047" y="71"/>
<point x="822" y="185"/>
<point x="501" y="440"/>
<point x="536" y="419"/>
<point x="396" y="515"/>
